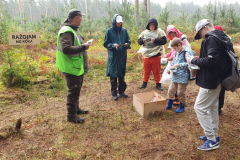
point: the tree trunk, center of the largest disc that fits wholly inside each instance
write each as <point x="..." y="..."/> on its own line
<point x="24" y="15"/>
<point x="23" y="9"/>
<point x="145" y="5"/>
<point x="148" y="7"/>
<point x="20" y="8"/>
<point x="136" y="11"/>
<point x="86" y="7"/>
<point x="30" y="10"/>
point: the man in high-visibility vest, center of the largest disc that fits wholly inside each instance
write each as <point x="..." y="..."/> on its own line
<point x="71" y="60"/>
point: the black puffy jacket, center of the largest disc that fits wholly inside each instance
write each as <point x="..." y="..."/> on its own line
<point x="213" y="60"/>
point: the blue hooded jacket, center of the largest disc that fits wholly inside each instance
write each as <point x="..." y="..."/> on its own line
<point x="117" y="58"/>
<point x="182" y="72"/>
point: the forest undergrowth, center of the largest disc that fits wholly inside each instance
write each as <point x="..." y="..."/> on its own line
<point x="113" y="129"/>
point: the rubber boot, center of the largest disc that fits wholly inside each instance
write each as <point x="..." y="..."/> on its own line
<point x="159" y="86"/>
<point x="113" y="82"/>
<point x="144" y="85"/>
<point x="181" y="108"/>
<point x="169" y="104"/>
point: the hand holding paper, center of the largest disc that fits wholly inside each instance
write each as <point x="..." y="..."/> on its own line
<point x="116" y="46"/>
<point x="87" y="45"/>
<point x="191" y="57"/>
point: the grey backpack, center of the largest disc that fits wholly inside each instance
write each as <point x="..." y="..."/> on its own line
<point x="232" y="82"/>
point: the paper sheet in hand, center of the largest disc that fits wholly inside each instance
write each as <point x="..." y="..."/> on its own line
<point x="163" y="60"/>
<point x="90" y="41"/>
<point x="122" y="45"/>
<point x="194" y="67"/>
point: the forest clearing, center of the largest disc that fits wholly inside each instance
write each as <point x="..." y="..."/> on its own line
<point x="113" y="129"/>
<point x="33" y="90"/>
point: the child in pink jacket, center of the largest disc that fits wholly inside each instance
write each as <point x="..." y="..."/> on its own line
<point x="173" y="32"/>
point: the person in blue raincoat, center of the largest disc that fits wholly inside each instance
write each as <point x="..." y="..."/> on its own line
<point x="117" y="42"/>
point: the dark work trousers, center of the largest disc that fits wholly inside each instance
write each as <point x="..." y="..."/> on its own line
<point x="74" y="84"/>
<point x="114" y="85"/>
<point x="221" y="99"/>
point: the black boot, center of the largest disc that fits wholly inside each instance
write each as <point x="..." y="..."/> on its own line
<point x="84" y="111"/>
<point x="159" y="86"/>
<point x="115" y="98"/>
<point x="75" y="119"/>
<point x="144" y="85"/>
<point x="122" y="94"/>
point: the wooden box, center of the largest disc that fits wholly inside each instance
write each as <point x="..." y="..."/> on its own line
<point x="145" y="104"/>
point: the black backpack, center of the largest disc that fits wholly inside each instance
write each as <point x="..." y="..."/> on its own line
<point x="232" y="81"/>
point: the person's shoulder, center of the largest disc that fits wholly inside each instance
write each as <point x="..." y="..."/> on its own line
<point x="109" y="30"/>
<point x="67" y="34"/>
<point x="143" y="33"/>
<point x="210" y="39"/>
<point x="211" y="42"/>
<point x="124" y="29"/>
<point x="161" y="32"/>
<point x="159" y="29"/>
<point x="189" y="50"/>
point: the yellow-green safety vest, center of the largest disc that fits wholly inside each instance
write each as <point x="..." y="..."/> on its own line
<point x="71" y="64"/>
